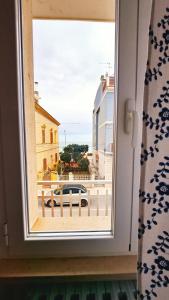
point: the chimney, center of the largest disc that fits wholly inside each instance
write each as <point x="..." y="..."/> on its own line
<point x="102" y="77"/>
<point x="36" y="92"/>
<point x="111" y="81"/>
<point x="103" y="82"/>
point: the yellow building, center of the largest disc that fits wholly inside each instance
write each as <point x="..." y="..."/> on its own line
<point x="47" y="143"/>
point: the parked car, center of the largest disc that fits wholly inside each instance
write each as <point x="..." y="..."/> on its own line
<point x="65" y="191"/>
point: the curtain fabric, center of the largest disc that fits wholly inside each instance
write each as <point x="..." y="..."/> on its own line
<point x="153" y="233"/>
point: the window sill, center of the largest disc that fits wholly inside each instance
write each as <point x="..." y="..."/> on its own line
<point x="123" y="267"/>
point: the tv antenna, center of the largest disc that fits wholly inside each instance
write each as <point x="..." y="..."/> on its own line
<point x="109" y="66"/>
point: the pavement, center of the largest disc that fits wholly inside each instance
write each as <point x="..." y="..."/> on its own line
<point x="94" y="217"/>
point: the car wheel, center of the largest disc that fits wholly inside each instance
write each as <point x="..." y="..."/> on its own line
<point x="84" y="202"/>
<point x="49" y="203"/>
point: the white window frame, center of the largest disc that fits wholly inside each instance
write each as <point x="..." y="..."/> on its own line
<point x="120" y="243"/>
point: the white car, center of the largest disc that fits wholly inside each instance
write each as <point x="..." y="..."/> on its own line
<point x="78" y="191"/>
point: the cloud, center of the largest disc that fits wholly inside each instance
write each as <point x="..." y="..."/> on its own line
<point x="69" y="59"/>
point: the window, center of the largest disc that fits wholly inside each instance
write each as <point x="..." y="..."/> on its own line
<point x="43" y="134"/>
<point x="66" y="191"/>
<point x="55" y="136"/>
<point x="75" y="191"/>
<point x="126" y="88"/>
<point x="95" y="212"/>
<point x="44" y="164"/>
<point x="75" y="128"/>
<point x="97" y="129"/>
<point x="51" y="136"/>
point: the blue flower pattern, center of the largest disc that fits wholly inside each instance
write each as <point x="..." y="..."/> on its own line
<point x="155" y="200"/>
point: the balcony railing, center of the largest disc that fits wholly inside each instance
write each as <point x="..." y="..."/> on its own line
<point x="75" y="205"/>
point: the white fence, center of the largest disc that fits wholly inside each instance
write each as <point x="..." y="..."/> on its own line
<point x="75" y="198"/>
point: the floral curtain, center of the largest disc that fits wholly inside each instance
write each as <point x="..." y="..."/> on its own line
<point x="153" y="258"/>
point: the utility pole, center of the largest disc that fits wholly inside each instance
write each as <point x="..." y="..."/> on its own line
<point x="65" y="137"/>
<point x="65" y="133"/>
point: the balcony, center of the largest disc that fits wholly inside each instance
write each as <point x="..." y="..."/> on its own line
<point x="74" y="206"/>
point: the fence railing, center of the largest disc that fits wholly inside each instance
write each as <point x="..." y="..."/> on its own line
<point x="77" y="176"/>
<point x="74" y="198"/>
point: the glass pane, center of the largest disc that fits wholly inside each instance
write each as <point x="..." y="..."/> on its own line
<point x="65" y="191"/>
<point x="74" y="124"/>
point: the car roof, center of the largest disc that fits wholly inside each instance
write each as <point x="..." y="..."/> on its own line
<point x="67" y="186"/>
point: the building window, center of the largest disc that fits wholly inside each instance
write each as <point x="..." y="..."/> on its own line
<point x="44" y="164"/>
<point x="43" y="134"/>
<point x="51" y="136"/>
<point x="55" y="135"/>
<point x="97" y="129"/>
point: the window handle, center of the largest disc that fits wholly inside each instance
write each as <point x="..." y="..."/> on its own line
<point x="131" y="121"/>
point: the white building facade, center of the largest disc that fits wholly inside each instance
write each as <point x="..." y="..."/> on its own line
<point x="103" y="128"/>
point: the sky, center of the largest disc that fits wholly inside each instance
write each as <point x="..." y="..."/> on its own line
<point x="69" y="58"/>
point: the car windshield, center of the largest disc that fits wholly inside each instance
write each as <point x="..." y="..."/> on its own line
<point x="57" y="192"/>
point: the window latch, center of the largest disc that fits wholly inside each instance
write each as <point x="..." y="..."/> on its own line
<point x="131" y="121"/>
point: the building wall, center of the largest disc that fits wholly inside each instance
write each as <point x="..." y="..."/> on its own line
<point x="105" y="165"/>
<point x="47" y="150"/>
<point x="103" y="129"/>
